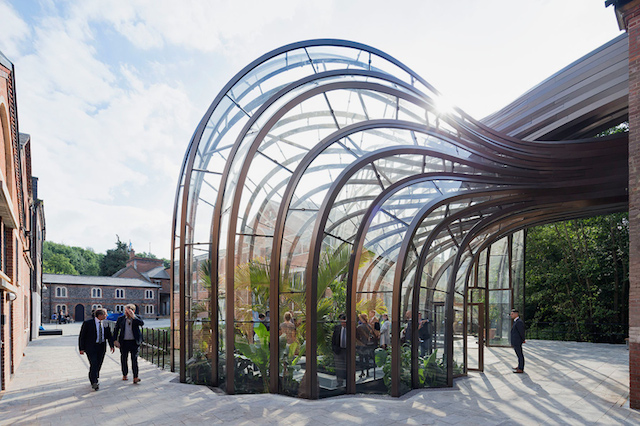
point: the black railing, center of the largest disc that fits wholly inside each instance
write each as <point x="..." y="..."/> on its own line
<point x="580" y="332"/>
<point x="155" y="347"/>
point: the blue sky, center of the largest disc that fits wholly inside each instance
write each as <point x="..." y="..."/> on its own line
<point x="112" y="90"/>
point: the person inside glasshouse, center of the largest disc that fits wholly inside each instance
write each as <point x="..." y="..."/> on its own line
<point x="385" y="332"/>
<point x="424" y="333"/>
<point x="288" y="328"/>
<point x="339" y="347"/>
<point x="366" y="343"/>
<point x="375" y="323"/>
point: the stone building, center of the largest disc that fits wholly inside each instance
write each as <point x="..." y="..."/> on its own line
<point x="79" y="295"/>
<point x="153" y="271"/>
<point x="21" y="233"/>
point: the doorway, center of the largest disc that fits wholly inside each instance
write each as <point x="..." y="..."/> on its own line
<point x="79" y="312"/>
<point x="475" y="336"/>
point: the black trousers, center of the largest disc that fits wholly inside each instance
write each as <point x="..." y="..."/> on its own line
<point x="129" y="347"/>
<point x="340" y="360"/>
<point x="520" y="354"/>
<point x="96" y="358"/>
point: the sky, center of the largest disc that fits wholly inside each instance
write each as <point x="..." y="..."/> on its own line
<point x="111" y="91"/>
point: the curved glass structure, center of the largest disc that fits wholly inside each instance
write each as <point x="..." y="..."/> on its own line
<point x="325" y="180"/>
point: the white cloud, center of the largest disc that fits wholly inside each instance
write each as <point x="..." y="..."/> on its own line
<point x="14" y="30"/>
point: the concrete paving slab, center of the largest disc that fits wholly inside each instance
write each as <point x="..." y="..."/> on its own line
<point x="564" y="383"/>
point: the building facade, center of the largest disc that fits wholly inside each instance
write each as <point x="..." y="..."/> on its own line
<point x="153" y="271"/>
<point x="79" y="295"/>
<point x="21" y="233"/>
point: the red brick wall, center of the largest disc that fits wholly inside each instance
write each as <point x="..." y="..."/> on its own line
<point x="632" y="23"/>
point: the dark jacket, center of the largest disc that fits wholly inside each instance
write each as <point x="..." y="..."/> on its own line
<point x="89" y="335"/>
<point x="517" y="333"/>
<point x="136" y="323"/>
<point x="335" y="339"/>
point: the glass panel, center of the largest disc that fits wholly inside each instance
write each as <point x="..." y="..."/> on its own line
<point x="332" y="294"/>
<point x="499" y="265"/>
<point x="292" y="346"/>
<point x="517" y="266"/>
<point x="458" y="339"/>
<point x="372" y="347"/>
<point x="499" y="321"/>
<point x="474" y="324"/>
<point x="198" y="318"/>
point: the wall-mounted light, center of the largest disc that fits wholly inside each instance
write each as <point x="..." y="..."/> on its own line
<point x="11" y="297"/>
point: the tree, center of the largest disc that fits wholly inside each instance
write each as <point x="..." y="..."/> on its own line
<point x="83" y="261"/>
<point x="146" y="255"/>
<point x="577" y="272"/>
<point x="57" y="263"/>
<point x="114" y="259"/>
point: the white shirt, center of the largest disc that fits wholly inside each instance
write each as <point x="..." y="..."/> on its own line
<point x="98" y="326"/>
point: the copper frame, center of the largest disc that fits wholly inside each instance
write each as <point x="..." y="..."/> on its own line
<point x="530" y="182"/>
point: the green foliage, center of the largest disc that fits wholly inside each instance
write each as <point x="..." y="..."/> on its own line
<point x="62" y="259"/>
<point x="57" y="263"/>
<point x="432" y="371"/>
<point x="257" y="352"/>
<point x="198" y="369"/>
<point x="146" y="255"/>
<point x="114" y="259"/>
<point x="577" y="272"/>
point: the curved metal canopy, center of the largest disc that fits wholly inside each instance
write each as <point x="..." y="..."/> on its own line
<point x="329" y="145"/>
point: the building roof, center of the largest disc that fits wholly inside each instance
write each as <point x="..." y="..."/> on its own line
<point x="158" y="273"/>
<point x="5" y="61"/>
<point x="96" y="281"/>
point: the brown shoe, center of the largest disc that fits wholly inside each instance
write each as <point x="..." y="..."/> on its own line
<point x="517" y="370"/>
<point x="124" y="378"/>
<point x="136" y="379"/>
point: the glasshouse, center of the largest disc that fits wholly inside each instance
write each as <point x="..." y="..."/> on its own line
<point x="340" y="228"/>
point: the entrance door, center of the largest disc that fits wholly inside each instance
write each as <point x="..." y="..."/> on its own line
<point x="475" y="336"/>
<point x="79" y="312"/>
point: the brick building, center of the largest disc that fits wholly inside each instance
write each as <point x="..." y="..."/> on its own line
<point x="628" y="15"/>
<point x="78" y="295"/>
<point x="153" y="271"/>
<point x="21" y="233"/>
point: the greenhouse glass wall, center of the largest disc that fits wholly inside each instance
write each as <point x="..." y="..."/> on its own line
<point x="338" y="229"/>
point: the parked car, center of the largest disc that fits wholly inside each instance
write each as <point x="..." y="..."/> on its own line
<point x="113" y="316"/>
<point x="111" y="319"/>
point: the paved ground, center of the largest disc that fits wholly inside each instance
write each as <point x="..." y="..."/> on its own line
<point x="565" y="383"/>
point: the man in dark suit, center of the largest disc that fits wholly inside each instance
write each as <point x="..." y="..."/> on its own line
<point x="128" y="337"/>
<point x="93" y="339"/>
<point x="517" y="339"/>
<point x="339" y="347"/>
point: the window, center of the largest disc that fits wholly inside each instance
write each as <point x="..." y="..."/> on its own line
<point x="148" y="309"/>
<point x="95" y="306"/>
<point x="119" y="293"/>
<point x="96" y="293"/>
<point x="61" y="292"/>
<point x="148" y="294"/>
<point x="119" y="308"/>
<point x="61" y="309"/>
